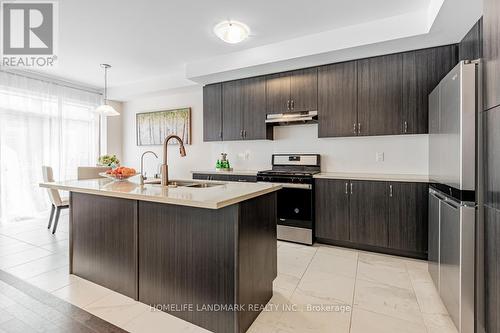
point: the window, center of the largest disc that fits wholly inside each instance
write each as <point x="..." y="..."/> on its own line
<point x="42" y="123"/>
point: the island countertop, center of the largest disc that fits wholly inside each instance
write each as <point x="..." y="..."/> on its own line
<point x="228" y="193"/>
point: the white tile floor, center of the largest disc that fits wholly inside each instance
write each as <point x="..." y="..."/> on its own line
<point x="318" y="289"/>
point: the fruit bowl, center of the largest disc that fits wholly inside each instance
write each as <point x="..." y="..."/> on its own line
<point x="117" y="177"/>
<point x="119" y="174"/>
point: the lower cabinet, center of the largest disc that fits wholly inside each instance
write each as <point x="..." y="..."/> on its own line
<point x="368" y="213"/>
<point x="408" y="216"/>
<point x="332" y="209"/>
<point x="221" y="177"/>
<point x="382" y="216"/>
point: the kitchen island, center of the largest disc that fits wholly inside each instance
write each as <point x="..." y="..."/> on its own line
<point x="203" y="252"/>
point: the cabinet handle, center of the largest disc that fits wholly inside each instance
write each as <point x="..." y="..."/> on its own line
<point x="359" y="128"/>
<point x="288" y="105"/>
<point x="346" y="190"/>
<point x="354" y="128"/>
<point x="293" y="103"/>
<point x="390" y="191"/>
<point x="244" y="133"/>
<point x="241" y="133"/>
<point x="405" y="127"/>
<point x="351" y="188"/>
<point x="220" y="135"/>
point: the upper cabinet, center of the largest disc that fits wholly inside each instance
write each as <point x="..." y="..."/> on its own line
<point x="384" y="95"/>
<point x="243" y="110"/>
<point x="491" y="56"/>
<point x="422" y="71"/>
<point x="292" y="91"/>
<point x="212" y="112"/>
<point x="278" y="93"/>
<point x="380" y="95"/>
<point x="337" y="100"/>
<point x="232" y="110"/>
<point x="254" y="110"/>
<point x="471" y="46"/>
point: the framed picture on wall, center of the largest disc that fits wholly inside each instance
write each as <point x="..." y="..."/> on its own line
<point x="153" y="127"/>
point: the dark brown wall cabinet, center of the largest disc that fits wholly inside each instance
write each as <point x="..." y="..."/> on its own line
<point x="422" y="71"/>
<point x="384" y="95"/>
<point x="491" y="125"/>
<point x="292" y="91"/>
<point x="380" y="95"/>
<point x="337" y="100"/>
<point x="212" y="112"/>
<point x="375" y="215"/>
<point x="491" y="56"/>
<point x="243" y="110"/>
<point x="471" y="46"/>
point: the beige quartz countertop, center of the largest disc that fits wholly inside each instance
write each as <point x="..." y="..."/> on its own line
<point x="228" y="193"/>
<point x="233" y="172"/>
<point x="374" y="176"/>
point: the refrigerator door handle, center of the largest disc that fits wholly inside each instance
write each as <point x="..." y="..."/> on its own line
<point x="436" y="195"/>
<point x="451" y="203"/>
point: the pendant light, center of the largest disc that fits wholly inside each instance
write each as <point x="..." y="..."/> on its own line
<point x="105" y="109"/>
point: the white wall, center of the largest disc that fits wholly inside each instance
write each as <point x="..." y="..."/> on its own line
<point x="402" y="154"/>
<point x="114" y="128"/>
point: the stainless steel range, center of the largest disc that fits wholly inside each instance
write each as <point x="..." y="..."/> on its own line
<point x="296" y="200"/>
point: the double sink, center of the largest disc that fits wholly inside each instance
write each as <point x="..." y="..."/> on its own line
<point x="176" y="183"/>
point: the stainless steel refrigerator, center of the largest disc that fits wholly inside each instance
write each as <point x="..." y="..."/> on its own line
<point x="453" y="106"/>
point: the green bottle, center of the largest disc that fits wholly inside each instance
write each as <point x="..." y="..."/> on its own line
<point x="218" y="164"/>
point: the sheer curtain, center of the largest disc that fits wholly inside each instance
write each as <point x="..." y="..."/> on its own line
<point x="41" y="123"/>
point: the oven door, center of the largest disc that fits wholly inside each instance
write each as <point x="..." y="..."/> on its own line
<point x="295" y="204"/>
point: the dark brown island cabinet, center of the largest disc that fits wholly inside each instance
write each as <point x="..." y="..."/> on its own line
<point x="211" y="267"/>
<point x="389" y="217"/>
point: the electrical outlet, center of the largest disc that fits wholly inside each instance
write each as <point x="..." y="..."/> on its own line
<point x="379" y="156"/>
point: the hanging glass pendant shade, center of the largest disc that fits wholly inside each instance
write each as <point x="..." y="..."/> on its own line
<point x="105" y="109"/>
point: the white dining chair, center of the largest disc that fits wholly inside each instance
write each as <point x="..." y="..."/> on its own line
<point x="90" y="172"/>
<point x="58" y="203"/>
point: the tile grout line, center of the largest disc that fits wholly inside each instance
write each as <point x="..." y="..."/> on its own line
<point x="427" y="329"/>
<point x="354" y="292"/>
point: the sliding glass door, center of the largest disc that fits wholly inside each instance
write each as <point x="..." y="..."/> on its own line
<point x="41" y="123"/>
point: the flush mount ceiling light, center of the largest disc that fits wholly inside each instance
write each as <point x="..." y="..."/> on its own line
<point x="232" y="31"/>
<point x="105" y="109"/>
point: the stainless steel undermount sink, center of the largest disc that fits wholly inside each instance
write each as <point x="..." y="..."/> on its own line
<point x="175" y="184"/>
<point x="204" y="185"/>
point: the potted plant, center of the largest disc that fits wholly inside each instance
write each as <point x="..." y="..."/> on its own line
<point x="109" y="160"/>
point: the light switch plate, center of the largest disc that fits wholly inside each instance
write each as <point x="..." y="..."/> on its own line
<point x="379" y="156"/>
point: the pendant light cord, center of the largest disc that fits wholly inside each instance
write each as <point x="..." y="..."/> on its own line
<point x="106" y="85"/>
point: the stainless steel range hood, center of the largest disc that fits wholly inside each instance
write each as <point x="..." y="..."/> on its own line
<point x="290" y="118"/>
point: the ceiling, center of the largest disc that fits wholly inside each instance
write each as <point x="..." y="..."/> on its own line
<point x="155" y="45"/>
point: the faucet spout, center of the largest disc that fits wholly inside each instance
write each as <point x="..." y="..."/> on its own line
<point x="164" y="166"/>
<point x="143" y="177"/>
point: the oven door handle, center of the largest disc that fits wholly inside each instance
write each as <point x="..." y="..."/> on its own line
<point x="291" y="185"/>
